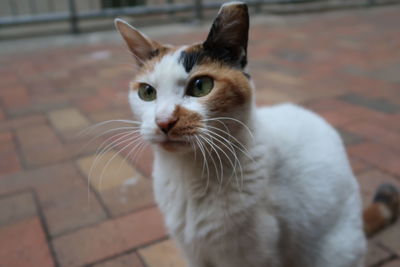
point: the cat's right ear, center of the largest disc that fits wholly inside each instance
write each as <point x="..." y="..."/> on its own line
<point x="139" y="44"/>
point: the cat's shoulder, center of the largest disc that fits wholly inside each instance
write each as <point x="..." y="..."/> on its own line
<point x="291" y="121"/>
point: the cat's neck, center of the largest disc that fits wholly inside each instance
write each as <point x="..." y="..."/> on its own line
<point x="214" y="165"/>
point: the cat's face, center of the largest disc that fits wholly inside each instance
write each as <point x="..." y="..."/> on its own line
<point x="185" y="95"/>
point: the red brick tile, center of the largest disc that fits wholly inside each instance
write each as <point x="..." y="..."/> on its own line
<point x="377" y="155"/>
<point x="393" y="263"/>
<point x="40" y="145"/>
<point x="16" y="207"/>
<point x="144" y="161"/>
<point x="16" y="99"/>
<point x="358" y="166"/>
<point x="376" y="133"/>
<point x="2" y="115"/>
<point x="126" y="260"/>
<point x="9" y="161"/>
<point x="370" y="181"/>
<point x="63" y="196"/>
<point x="391" y="122"/>
<point x="93" y="104"/>
<point x="24" y="244"/>
<point x="21" y="122"/>
<point x="109" y="238"/>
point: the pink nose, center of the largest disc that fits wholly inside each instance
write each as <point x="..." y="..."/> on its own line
<point x="167" y="125"/>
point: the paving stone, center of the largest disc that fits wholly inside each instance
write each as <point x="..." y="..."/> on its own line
<point x="23" y="244"/>
<point x="63" y="195"/>
<point x="144" y="162"/>
<point x="390" y="238"/>
<point x="21" y="122"/>
<point x="2" y="115"/>
<point x="112" y="237"/>
<point x="381" y="105"/>
<point x="393" y="263"/>
<point x="110" y="114"/>
<point x="9" y="160"/>
<point x="162" y="254"/>
<point x="41" y="146"/>
<point x="371" y="180"/>
<point x="16" y="207"/>
<point x="126" y="260"/>
<point x="107" y="171"/>
<point x="375" y="133"/>
<point x="349" y="138"/>
<point x="68" y="119"/>
<point x="358" y="165"/>
<point x="348" y="114"/>
<point x="390" y="122"/>
<point x="377" y="155"/>
<point x="122" y="188"/>
<point x="16" y="97"/>
<point x="375" y="254"/>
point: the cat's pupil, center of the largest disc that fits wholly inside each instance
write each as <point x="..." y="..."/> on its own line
<point x="199" y="84"/>
<point x="148" y="90"/>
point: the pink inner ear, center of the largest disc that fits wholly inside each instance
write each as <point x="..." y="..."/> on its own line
<point x="138" y="43"/>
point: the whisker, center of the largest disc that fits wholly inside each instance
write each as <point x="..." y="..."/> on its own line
<point x="205" y="163"/>
<point x="90" y="128"/>
<point x="221" y="174"/>
<point x="101" y="151"/>
<point x="232" y="119"/>
<point x="131" y="142"/>
<point x="243" y="149"/>
<point x="106" y="132"/>
<point x="229" y="159"/>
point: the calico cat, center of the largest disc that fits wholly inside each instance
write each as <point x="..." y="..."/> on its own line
<point x="242" y="186"/>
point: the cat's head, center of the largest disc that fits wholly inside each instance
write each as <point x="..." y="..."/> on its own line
<point x="185" y="94"/>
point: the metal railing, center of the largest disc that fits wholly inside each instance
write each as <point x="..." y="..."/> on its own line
<point x="12" y="12"/>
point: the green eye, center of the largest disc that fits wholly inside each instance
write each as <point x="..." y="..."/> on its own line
<point x="200" y="86"/>
<point x="147" y="92"/>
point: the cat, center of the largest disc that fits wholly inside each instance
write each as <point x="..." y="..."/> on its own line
<point x="240" y="185"/>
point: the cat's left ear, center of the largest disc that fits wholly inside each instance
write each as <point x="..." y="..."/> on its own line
<point x="142" y="47"/>
<point x="228" y="37"/>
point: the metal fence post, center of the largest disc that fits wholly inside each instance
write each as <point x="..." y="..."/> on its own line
<point x="73" y="17"/>
<point x="198" y="10"/>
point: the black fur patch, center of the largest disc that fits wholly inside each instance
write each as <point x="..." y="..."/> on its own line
<point x="190" y="59"/>
<point x="154" y="53"/>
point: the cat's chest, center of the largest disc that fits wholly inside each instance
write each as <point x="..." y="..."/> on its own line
<point x="208" y="218"/>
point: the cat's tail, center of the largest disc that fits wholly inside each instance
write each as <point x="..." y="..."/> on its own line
<point x="383" y="211"/>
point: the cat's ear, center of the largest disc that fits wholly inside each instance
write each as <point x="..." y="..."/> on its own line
<point x="229" y="32"/>
<point x="139" y="44"/>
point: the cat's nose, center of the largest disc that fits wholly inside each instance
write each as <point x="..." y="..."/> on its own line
<point x="167" y="125"/>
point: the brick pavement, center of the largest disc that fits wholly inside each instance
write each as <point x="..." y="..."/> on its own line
<point x="344" y="65"/>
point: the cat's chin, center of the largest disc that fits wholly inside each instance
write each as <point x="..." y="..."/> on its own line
<point x="175" y="146"/>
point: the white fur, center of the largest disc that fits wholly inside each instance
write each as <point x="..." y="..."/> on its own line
<point x="294" y="201"/>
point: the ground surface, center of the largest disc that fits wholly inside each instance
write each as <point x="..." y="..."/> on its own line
<point x="344" y="65"/>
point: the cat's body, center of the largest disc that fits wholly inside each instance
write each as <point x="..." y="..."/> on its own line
<point x="292" y="208"/>
<point x="242" y="186"/>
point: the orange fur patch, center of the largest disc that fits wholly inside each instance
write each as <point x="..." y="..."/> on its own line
<point x="187" y="124"/>
<point x="231" y="87"/>
<point x="374" y="219"/>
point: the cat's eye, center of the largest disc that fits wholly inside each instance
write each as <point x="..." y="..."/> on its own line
<point x="147" y="92"/>
<point x="200" y="86"/>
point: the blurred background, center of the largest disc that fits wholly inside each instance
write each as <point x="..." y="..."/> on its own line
<point x="74" y="191"/>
